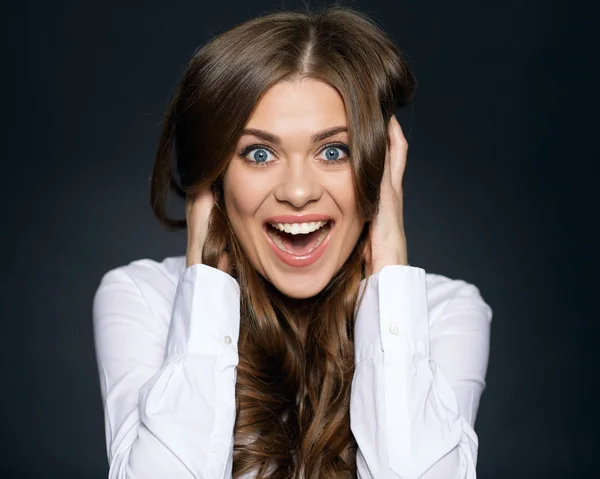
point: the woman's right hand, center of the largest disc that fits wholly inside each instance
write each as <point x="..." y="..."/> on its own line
<point x="197" y="212"/>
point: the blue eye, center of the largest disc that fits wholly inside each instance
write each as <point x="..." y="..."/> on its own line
<point x="256" y="154"/>
<point x="332" y="153"/>
<point x="260" y="155"/>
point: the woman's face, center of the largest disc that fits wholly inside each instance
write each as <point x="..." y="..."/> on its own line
<point x="289" y="191"/>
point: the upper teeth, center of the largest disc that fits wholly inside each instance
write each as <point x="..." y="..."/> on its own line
<point x="299" y="228"/>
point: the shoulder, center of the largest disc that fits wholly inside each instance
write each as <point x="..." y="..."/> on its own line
<point x="143" y="283"/>
<point x="447" y="295"/>
<point x="147" y="274"/>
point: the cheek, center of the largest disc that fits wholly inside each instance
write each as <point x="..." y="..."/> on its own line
<point x="345" y="198"/>
<point x="243" y="192"/>
<point x="342" y="192"/>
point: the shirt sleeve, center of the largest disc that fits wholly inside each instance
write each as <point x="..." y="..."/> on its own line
<point x="169" y="402"/>
<point x="418" y="376"/>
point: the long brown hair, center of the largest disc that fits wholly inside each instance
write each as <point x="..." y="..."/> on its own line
<point x="292" y="391"/>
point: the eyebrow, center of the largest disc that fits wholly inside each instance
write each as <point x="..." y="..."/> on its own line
<point x="271" y="138"/>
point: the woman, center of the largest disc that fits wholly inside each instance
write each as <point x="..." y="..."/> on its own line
<point x="293" y="339"/>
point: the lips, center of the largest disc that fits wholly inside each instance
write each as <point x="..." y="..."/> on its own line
<point x="300" y="249"/>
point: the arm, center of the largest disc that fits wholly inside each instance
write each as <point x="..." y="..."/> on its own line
<point x="419" y="376"/>
<point x="168" y="394"/>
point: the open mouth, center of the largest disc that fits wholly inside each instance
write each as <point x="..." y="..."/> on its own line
<point x="299" y="239"/>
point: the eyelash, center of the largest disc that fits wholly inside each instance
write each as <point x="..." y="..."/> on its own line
<point x="249" y="148"/>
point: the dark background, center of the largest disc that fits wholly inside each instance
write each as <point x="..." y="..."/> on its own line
<point x="499" y="191"/>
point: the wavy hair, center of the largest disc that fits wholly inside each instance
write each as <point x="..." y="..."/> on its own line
<point x="292" y="390"/>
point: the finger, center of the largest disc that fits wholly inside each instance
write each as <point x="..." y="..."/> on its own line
<point x="398" y="144"/>
<point x="398" y="151"/>
<point x="189" y="202"/>
<point x="189" y="215"/>
<point x="199" y="204"/>
<point x="386" y="167"/>
<point x="205" y="198"/>
<point x="198" y="208"/>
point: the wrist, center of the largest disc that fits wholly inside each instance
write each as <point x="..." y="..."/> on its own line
<point x="379" y="265"/>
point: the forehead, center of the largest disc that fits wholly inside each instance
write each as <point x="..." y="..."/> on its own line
<point x="299" y="107"/>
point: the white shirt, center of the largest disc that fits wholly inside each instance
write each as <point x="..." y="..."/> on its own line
<point x="166" y="344"/>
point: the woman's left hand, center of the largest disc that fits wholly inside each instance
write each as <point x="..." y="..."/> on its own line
<point x="388" y="240"/>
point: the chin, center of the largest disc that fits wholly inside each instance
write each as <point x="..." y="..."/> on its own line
<point x="300" y="287"/>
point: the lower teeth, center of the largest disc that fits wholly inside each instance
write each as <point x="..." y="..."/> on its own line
<point x="277" y="239"/>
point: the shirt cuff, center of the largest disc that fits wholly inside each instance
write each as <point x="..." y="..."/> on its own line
<point x="404" y="317"/>
<point x="393" y="315"/>
<point x="205" y="318"/>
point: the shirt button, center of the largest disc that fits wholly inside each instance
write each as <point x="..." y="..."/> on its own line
<point x="394" y="329"/>
<point x="227" y="339"/>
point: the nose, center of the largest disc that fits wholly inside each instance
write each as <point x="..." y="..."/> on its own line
<point x="299" y="185"/>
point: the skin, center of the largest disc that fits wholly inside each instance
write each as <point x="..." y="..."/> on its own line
<point x="296" y="180"/>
